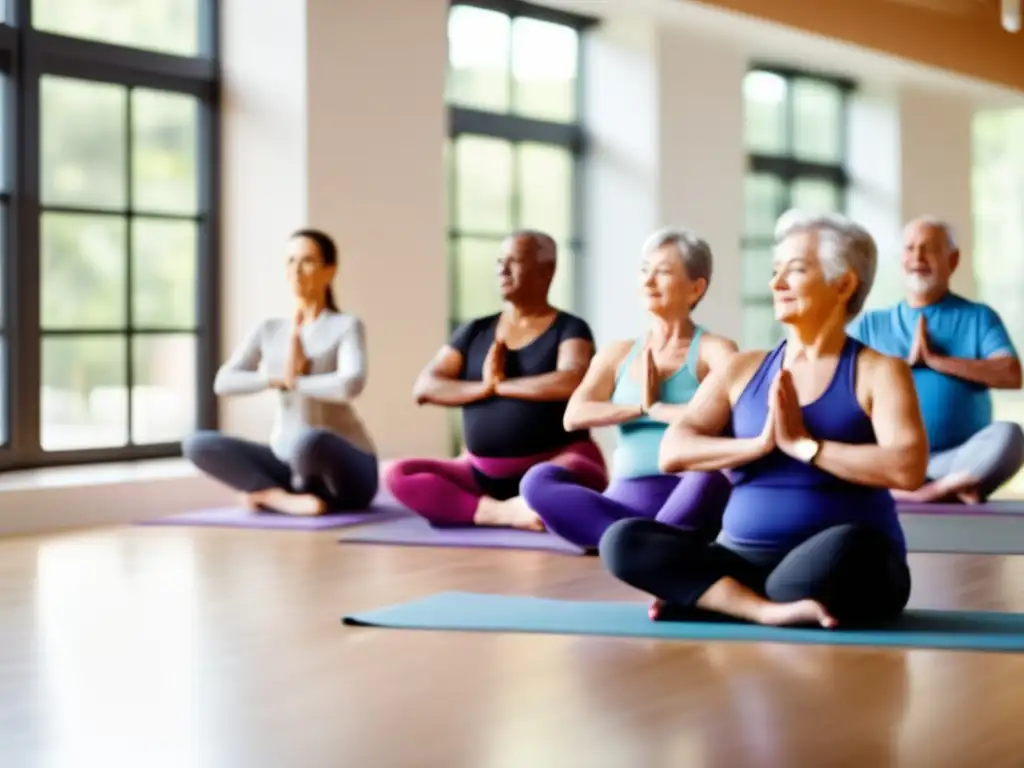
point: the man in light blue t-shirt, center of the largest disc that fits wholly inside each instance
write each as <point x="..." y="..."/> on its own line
<point x="959" y="350"/>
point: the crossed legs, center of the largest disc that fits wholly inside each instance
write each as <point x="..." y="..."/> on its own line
<point x="845" y="575"/>
<point x="975" y="470"/>
<point x="451" y="492"/>
<point x="581" y="514"/>
<point x="327" y="473"/>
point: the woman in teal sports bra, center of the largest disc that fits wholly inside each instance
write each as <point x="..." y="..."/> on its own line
<point x="640" y="386"/>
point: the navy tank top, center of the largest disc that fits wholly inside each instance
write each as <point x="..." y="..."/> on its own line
<point x="778" y="501"/>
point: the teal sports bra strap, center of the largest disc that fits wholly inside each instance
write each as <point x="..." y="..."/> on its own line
<point x="693" y="355"/>
<point x="624" y="365"/>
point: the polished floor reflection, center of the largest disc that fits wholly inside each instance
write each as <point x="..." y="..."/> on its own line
<point x="176" y="647"/>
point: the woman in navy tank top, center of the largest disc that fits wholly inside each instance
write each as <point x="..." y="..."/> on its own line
<point x="816" y="432"/>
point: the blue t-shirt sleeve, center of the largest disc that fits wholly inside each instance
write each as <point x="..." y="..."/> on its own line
<point x="994" y="338"/>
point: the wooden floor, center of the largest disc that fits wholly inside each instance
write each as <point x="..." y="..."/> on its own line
<point x="175" y="647"/>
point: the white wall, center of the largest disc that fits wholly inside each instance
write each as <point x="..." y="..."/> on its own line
<point x="935" y="167"/>
<point x="910" y="155"/>
<point x="665" y="115"/>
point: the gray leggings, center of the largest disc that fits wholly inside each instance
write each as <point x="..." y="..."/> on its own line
<point x="992" y="456"/>
<point x="324" y="464"/>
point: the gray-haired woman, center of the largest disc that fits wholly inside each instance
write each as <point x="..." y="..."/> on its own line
<point x="819" y="429"/>
<point x="640" y="385"/>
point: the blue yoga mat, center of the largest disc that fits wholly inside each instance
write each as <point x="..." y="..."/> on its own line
<point x="953" y="630"/>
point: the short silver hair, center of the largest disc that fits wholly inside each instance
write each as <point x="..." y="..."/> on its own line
<point x="935" y="222"/>
<point x="694" y="253"/>
<point x="842" y="245"/>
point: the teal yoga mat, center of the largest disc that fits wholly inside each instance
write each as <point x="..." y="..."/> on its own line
<point x="952" y="630"/>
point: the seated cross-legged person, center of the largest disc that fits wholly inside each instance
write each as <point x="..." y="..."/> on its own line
<point x="816" y="431"/>
<point x="512" y="374"/>
<point x="640" y="385"/>
<point x="959" y="350"/>
<point x="320" y="457"/>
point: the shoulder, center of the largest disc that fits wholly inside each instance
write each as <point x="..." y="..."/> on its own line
<point x="268" y="328"/>
<point x="983" y="312"/>
<point x="466" y="333"/>
<point x="612" y="355"/>
<point x="716" y="350"/>
<point x="476" y="325"/>
<point x="573" y="326"/>
<point x="343" y="322"/>
<point x="739" y="368"/>
<point x="880" y="369"/>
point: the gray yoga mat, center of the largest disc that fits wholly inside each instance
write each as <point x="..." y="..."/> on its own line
<point x="993" y="528"/>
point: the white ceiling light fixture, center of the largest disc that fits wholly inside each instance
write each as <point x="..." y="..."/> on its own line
<point x="1011" y="15"/>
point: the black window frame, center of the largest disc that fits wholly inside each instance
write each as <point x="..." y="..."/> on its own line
<point x="516" y="129"/>
<point x="26" y="56"/>
<point x="788" y="168"/>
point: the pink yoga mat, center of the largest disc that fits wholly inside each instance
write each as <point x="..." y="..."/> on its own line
<point x="239" y="517"/>
<point x="988" y="509"/>
<point x="415" y="531"/>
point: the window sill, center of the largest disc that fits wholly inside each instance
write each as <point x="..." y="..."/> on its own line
<point x="63" y="498"/>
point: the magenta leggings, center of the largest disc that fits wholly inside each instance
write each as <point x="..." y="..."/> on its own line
<point x="692" y="500"/>
<point x="447" y="491"/>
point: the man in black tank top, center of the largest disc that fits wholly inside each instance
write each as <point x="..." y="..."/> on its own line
<point x="512" y="373"/>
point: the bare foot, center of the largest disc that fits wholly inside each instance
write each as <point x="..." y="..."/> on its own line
<point x="800" y="612"/>
<point x="288" y="503"/>
<point x="905" y="495"/>
<point x="970" y="496"/>
<point x="250" y="502"/>
<point x="655" y="608"/>
<point x="513" y="513"/>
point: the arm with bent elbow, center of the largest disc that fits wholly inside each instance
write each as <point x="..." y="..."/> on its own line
<point x="899" y="458"/>
<point x="439" y="382"/>
<point x="696" y="442"/>
<point x="574" y="357"/>
<point x="590" y="405"/>
<point x="241" y="374"/>
<point x="348" y="379"/>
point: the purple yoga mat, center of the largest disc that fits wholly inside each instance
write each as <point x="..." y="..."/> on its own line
<point x="239" y="517"/>
<point x="988" y="509"/>
<point x="415" y="531"/>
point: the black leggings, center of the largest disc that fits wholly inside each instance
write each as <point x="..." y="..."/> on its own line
<point x="324" y="465"/>
<point x="856" y="572"/>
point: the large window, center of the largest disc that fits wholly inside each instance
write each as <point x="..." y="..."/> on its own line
<point x="515" y="141"/>
<point x="109" y="129"/>
<point x="795" y="137"/>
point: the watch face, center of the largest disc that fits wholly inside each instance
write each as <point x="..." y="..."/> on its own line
<point x="808" y="449"/>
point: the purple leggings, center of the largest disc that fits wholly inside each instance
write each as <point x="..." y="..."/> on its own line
<point x="692" y="500"/>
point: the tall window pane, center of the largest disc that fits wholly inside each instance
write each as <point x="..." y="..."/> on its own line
<point x="118" y="272"/>
<point x="817" y="121"/>
<point x="83" y="155"/>
<point x="483" y="184"/>
<point x="998" y="200"/>
<point x="168" y="26"/>
<point x="544" y="59"/>
<point x="479" y="43"/>
<point x="765" y="118"/>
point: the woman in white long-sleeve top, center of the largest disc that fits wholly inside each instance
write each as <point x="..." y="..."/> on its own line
<point x="320" y="457"/>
